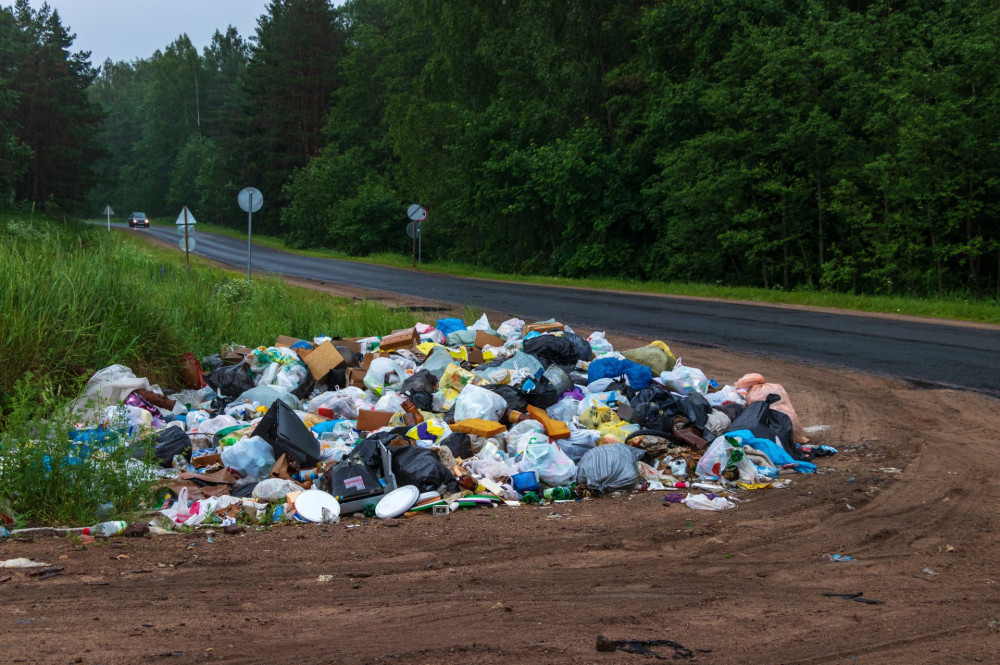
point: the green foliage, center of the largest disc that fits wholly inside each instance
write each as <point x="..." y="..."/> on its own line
<point x="47" y="478"/>
<point x="48" y="127"/>
<point x="104" y="302"/>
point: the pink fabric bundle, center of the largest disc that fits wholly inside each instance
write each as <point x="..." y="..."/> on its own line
<point x="757" y="390"/>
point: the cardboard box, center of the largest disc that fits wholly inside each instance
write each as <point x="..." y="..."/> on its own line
<point x="356" y="377"/>
<point x="404" y="339"/>
<point x="322" y="359"/>
<point x="206" y="461"/>
<point x="287" y="342"/>
<point x="370" y="420"/>
<point x="542" y="328"/>
<point x="476" y="356"/>
<point x="484" y="338"/>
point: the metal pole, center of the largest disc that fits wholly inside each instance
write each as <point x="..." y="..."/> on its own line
<point x="187" y="255"/>
<point x="249" y="229"/>
<point x="415" y="224"/>
<point x="420" y="243"/>
<point x="107" y="211"/>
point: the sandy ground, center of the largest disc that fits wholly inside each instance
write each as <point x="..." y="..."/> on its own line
<point x="910" y="497"/>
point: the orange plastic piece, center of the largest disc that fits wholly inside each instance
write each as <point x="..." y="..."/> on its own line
<point x="479" y="427"/>
<point x="555" y="429"/>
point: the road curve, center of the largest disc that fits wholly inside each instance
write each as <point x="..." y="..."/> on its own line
<point x="929" y="353"/>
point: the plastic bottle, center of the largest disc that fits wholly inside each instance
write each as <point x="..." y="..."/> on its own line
<point x="558" y="494"/>
<point x="106" y="529"/>
<point x="411" y="409"/>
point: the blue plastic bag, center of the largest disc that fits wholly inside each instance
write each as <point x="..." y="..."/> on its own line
<point x="773" y="450"/>
<point x="449" y="325"/>
<point x="639" y="376"/>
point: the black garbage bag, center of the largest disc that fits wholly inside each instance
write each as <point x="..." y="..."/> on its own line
<point x="167" y="443"/>
<point x="551" y="349"/>
<point x="306" y="388"/>
<point x="766" y="423"/>
<point x="336" y="379"/>
<point x="352" y="479"/>
<point x="287" y="434"/>
<point x="231" y="381"/>
<point x="420" y="467"/>
<point x="459" y="444"/>
<point x="655" y="408"/>
<point x="422" y="400"/>
<point x="540" y="392"/>
<point x="581" y="345"/>
<point x="420" y="381"/>
<point x="514" y="397"/>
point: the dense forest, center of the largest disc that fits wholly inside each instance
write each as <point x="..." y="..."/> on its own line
<point x="852" y="146"/>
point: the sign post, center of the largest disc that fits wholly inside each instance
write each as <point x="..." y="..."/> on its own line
<point x="108" y="211"/>
<point x="185" y="223"/>
<point x="250" y="200"/>
<point x="418" y="214"/>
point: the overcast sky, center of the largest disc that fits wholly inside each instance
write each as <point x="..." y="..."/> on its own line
<point x="135" y="29"/>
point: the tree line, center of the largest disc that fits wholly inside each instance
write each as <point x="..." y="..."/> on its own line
<point x="787" y="144"/>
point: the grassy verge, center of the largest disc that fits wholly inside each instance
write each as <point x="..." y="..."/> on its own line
<point x="960" y="308"/>
<point x="76" y="299"/>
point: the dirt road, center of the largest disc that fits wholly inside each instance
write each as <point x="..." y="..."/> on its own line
<point x="911" y="498"/>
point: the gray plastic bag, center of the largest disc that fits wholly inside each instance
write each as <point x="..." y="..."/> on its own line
<point x="609" y="467"/>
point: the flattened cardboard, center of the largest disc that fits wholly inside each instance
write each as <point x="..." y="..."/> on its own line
<point x="370" y="420"/>
<point x="476" y="356"/>
<point x="236" y="355"/>
<point x="484" y="338"/>
<point x="322" y="359"/>
<point x="404" y="339"/>
<point x="286" y="341"/>
<point x="543" y="328"/>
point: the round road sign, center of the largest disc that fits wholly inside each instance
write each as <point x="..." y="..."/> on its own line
<point x="416" y="212"/>
<point x="250" y="199"/>
<point x="190" y="243"/>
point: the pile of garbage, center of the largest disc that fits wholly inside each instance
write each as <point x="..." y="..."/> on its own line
<point x="445" y="417"/>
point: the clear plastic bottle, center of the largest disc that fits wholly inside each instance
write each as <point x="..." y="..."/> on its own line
<point x="107" y="529"/>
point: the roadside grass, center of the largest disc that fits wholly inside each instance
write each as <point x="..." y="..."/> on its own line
<point x="959" y="307"/>
<point x="76" y="299"/>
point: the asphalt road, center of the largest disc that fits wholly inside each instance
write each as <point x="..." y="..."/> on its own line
<point x="930" y="353"/>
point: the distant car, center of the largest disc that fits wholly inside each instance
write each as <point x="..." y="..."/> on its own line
<point x="138" y="219"/>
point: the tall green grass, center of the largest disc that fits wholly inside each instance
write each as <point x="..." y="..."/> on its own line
<point x="75" y="299"/>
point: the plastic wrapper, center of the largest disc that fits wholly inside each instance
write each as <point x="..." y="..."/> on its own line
<point x="476" y="402"/>
<point x="579" y="442"/>
<point x="721" y="455"/>
<point x="275" y="489"/>
<point x="106" y="387"/>
<point x="548" y="460"/>
<point x="685" y="380"/>
<point x="252" y="457"/>
<point x="599" y="345"/>
<point x="384" y="373"/>
<point x="344" y="403"/>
